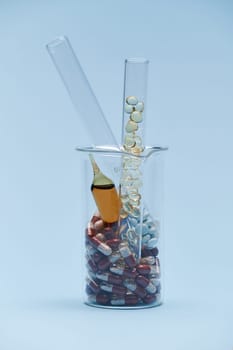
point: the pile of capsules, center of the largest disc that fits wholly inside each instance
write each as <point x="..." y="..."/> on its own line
<point x="115" y="278"/>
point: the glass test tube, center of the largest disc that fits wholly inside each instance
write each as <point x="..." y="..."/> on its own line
<point x="80" y="91"/>
<point x="133" y="141"/>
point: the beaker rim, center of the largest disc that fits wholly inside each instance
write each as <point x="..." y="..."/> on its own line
<point x="108" y="149"/>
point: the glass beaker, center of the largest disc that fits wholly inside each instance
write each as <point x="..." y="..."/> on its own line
<point x="124" y="258"/>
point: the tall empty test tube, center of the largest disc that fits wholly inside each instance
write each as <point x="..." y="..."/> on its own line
<point x="80" y="91"/>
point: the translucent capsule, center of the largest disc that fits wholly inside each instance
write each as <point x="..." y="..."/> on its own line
<point x="133" y="221"/>
<point x="127" y="255"/>
<point x="153" y="230"/>
<point x="138" y="141"/>
<point x="131" y="162"/>
<point x="134" y="195"/>
<point x="145" y="239"/>
<point x="129" y="141"/>
<point x="102" y="247"/>
<point x="133" y="287"/>
<point x="128" y="108"/>
<point x="124" y="271"/>
<point x="123" y="228"/>
<point x="131" y="235"/>
<point x="101" y="298"/>
<point x="137" y="149"/>
<point x="136" y="116"/>
<point x="145" y="283"/>
<point x="132" y="209"/>
<point x="108" y="277"/>
<point x="113" y="288"/>
<point x="142" y="227"/>
<point x="139" y="106"/>
<point x="131" y="126"/>
<point x="152" y="243"/>
<point x="132" y="100"/>
<point x="124" y="199"/>
<point x="155" y="281"/>
<point x="126" y="300"/>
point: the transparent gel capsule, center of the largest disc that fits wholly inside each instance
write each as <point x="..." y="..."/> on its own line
<point x="128" y="108"/>
<point x="132" y="100"/>
<point x="134" y="195"/>
<point x="137" y="149"/>
<point x="131" y="126"/>
<point x="131" y="235"/>
<point x="145" y="239"/>
<point x="129" y="141"/>
<point x="136" y="116"/>
<point x="139" y="106"/>
<point x="152" y="243"/>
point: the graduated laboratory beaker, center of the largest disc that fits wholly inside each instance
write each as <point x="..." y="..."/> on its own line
<point x="123" y="196"/>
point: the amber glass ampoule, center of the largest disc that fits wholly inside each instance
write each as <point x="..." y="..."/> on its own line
<point x="105" y="195"/>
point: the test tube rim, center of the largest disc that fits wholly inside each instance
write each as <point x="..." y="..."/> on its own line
<point x="149" y="150"/>
<point x="137" y="60"/>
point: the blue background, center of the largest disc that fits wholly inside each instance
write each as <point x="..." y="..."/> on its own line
<point x="189" y="44"/>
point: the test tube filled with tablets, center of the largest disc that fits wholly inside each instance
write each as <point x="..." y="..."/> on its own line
<point x="123" y="193"/>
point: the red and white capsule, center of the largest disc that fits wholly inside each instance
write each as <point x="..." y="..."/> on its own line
<point x="124" y="271"/>
<point x="127" y="255"/>
<point x="126" y="300"/>
<point x="113" y="288"/>
<point x="93" y="286"/>
<point x="100" y="246"/>
<point x="90" y="230"/>
<point x="108" y="277"/>
<point x="146" y="283"/>
<point x="101" y="298"/>
<point x="105" y="262"/>
<point x="152" y="298"/>
<point x="91" y="265"/>
<point x="133" y="287"/>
